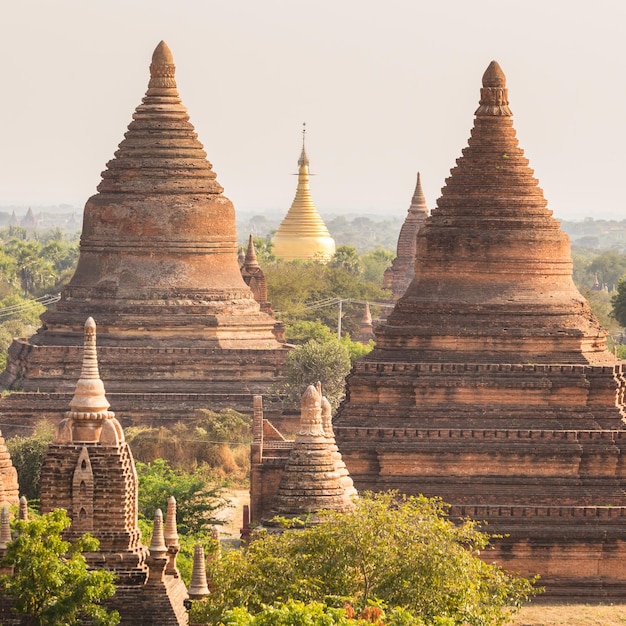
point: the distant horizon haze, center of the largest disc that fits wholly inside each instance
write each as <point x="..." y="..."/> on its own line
<point x="385" y="91"/>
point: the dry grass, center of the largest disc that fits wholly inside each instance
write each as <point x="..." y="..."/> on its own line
<point x="571" y="615"/>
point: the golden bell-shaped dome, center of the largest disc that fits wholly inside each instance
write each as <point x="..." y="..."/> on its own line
<point x="302" y="234"/>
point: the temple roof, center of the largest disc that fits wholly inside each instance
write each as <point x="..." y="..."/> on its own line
<point x="161" y="152"/>
<point x="315" y="477"/>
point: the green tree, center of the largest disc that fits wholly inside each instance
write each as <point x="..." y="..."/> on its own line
<point x="327" y="362"/>
<point x="348" y="258"/>
<point x="304" y="330"/>
<point x="375" y="263"/>
<point x="618" y="302"/>
<point x="610" y="266"/>
<point x="197" y="503"/>
<point x="402" y="551"/>
<point x="51" y="583"/>
<point x="297" y="613"/>
<point x="27" y="455"/>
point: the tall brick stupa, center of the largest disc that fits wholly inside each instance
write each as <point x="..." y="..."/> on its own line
<point x="491" y="384"/>
<point x="398" y="277"/>
<point x="158" y="268"/>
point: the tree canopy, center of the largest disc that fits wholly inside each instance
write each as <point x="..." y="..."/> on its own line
<point x="618" y="302"/>
<point x="51" y="583"/>
<point x="399" y="550"/>
<point x="327" y="362"/>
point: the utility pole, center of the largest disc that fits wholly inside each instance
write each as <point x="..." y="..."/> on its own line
<point x="339" y="319"/>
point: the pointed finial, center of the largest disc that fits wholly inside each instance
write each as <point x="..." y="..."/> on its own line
<point x="494" y="94"/>
<point x="89" y="395"/>
<point x="327" y="417"/>
<point x="23" y="511"/>
<point x="311" y="413"/>
<point x="162" y="68"/>
<point x="304" y="159"/>
<point x="171" y="532"/>
<point x="367" y="314"/>
<point x="5" y="528"/>
<point x="494" y="76"/>
<point x="158" y="549"/>
<point x="251" y="260"/>
<point x="198" y="588"/>
<point x="419" y="199"/>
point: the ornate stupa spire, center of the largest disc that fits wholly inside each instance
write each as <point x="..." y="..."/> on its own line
<point x="198" y="587"/>
<point x="5" y="529"/>
<point x="302" y="234"/>
<point x="496" y="259"/>
<point x="399" y="276"/>
<point x="366" y="330"/>
<point x="89" y="418"/>
<point x="254" y="276"/>
<point x="23" y="509"/>
<point x="250" y="261"/>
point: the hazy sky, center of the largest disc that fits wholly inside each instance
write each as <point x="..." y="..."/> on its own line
<point x="386" y="88"/>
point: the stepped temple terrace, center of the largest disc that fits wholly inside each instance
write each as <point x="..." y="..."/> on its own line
<point x="302" y="235"/>
<point x="399" y="276"/>
<point x="158" y="268"/>
<point x="491" y="384"/>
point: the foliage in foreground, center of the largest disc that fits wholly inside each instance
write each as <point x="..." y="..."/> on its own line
<point x="297" y="613"/>
<point x="400" y="550"/>
<point x="51" y="583"/>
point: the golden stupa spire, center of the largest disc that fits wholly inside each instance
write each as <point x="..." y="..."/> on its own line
<point x="302" y="234"/>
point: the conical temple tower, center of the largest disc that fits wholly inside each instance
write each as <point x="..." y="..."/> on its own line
<point x="158" y="268"/>
<point x="315" y="477"/>
<point x="490" y="384"/>
<point x="399" y="276"/>
<point x="302" y="234"/>
<point x="254" y="277"/>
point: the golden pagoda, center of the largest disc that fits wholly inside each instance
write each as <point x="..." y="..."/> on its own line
<point x="302" y="234"/>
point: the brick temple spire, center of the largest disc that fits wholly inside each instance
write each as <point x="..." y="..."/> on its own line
<point x="302" y="234"/>
<point x="399" y="276"/>
<point x="490" y="384"/>
<point x="158" y="269"/>
<point x="496" y="259"/>
<point x="254" y="277"/>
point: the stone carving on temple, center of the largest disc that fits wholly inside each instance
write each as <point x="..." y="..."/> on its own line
<point x="491" y="385"/>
